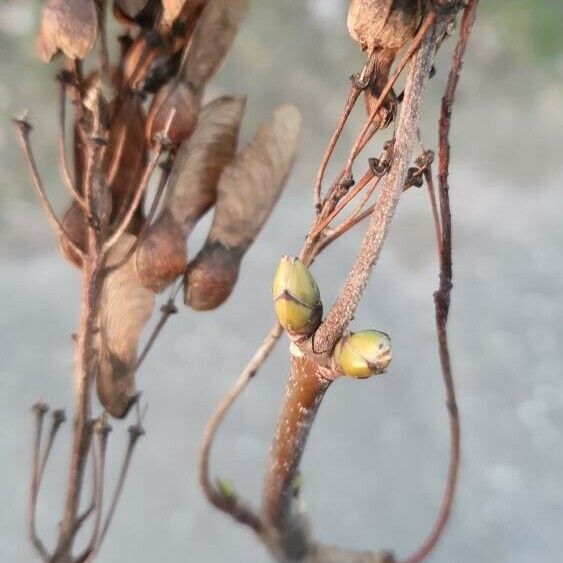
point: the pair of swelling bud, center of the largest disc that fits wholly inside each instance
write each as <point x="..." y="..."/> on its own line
<point x="298" y="307"/>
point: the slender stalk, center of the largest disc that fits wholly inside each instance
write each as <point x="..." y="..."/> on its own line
<point x="235" y="507"/>
<point x="39" y="410"/>
<point x="345" y="306"/>
<point x="442" y="295"/>
<point x="24" y="128"/>
<point x="357" y="86"/>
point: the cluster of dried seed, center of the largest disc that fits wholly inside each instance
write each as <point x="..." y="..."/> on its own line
<point x="169" y="50"/>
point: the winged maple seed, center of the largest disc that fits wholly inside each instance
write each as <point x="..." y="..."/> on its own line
<point x="123" y="168"/>
<point x="69" y="27"/>
<point x="212" y="40"/>
<point x="125" y="308"/>
<point x="192" y="190"/>
<point x="213" y="36"/>
<point x="247" y="192"/>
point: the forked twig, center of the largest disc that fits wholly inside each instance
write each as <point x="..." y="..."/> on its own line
<point x="355" y="91"/>
<point x="414" y="45"/>
<point x="135" y="432"/>
<point x="24" y="128"/>
<point x="345" y="306"/>
<point x="63" y="78"/>
<point x="161" y="143"/>
<point x="39" y="410"/>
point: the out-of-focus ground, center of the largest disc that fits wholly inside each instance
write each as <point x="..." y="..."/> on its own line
<point x="375" y="466"/>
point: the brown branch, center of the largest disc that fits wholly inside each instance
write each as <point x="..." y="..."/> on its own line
<point x="358" y="84"/>
<point x="135" y="432"/>
<point x="24" y="128"/>
<point x="39" y="410"/>
<point x="64" y="79"/>
<point x="161" y="142"/>
<point x="101" y="432"/>
<point x="166" y="167"/>
<point x="364" y="136"/>
<point x="305" y="390"/>
<point x="167" y="310"/>
<point x="345" y="306"/>
<point x="442" y="295"/>
<point x="86" y="361"/>
<point x="239" y="510"/>
<point x="58" y="418"/>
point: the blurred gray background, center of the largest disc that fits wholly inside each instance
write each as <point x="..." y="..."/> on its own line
<point x="375" y="466"/>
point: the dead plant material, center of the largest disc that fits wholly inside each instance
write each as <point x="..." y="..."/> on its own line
<point x="247" y="192"/>
<point x="125" y="308"/>
<point x="69" y="27"/>
<point x="192" y="190"/>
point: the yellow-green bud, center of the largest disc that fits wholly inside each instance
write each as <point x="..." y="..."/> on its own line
<point x="226" y="488"/>
<point x="363" y="354"/>
<point x="297" y="298"/>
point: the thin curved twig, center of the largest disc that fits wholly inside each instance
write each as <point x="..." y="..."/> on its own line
<point x="24" y="128"/>
<point x="345" y="305"/>
<point x="235" y="507"/>
<point x="63" y="162"/>
<point x="442" y="295"/>
<point x="363" y="137"/>
<point x="355" y="91"/>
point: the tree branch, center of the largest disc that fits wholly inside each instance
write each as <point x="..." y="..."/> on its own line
<point x="345" y="306"/>
<point x="442" y="295"/>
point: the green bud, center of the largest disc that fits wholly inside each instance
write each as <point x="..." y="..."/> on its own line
<point x="226" y="488"/>
<point x="297" y="299"/>
<point x="363" y="354"/>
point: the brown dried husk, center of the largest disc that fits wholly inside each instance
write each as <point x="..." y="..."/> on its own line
<point x="383" y="24"/>
<point x="192" y="190"/>
<point x="171" y="9"/>
<point x="125" y="308"/>
<point x="178" y="101"/>
<point x="70" y="27"/>
<point x="250" y="186"/>
<point x="213" y="37"/>
<point x="247" y="192"/>
<point x="131" y="8"/>
<point x="129" y="121"/>
<point x="144" y="51"/>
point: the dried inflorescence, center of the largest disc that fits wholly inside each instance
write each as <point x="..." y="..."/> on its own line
<point x="382" y="28"/>
<point x="192" y="190"/>
<point x="246" y="194"/>
<point x="143" y="112"/>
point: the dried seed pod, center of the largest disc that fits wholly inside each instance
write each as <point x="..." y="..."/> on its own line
<point x="127" y="143"/>
<point x="297" y="299"/>
<point x="136" y="12"/>
<point x="192" y="190"/>
<point x="363" y="354"/>
<point x="383" y="24"/>
<point x="125" y="308"/>
<point x="171" y="9"/>
<point x="74" y="225"/>
<point x="383" y="27"/>
<point x="131" y="8"/>
<point x="213" y="36"/>
<point x="70" y="27"/>
<point x="247" y="192"/>
<point x="177" y="100"/>
<point x="144" y="51"/>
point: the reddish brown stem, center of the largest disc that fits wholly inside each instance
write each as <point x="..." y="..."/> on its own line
<point x="305" y="390"/>
<point x="442" y="295"/>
